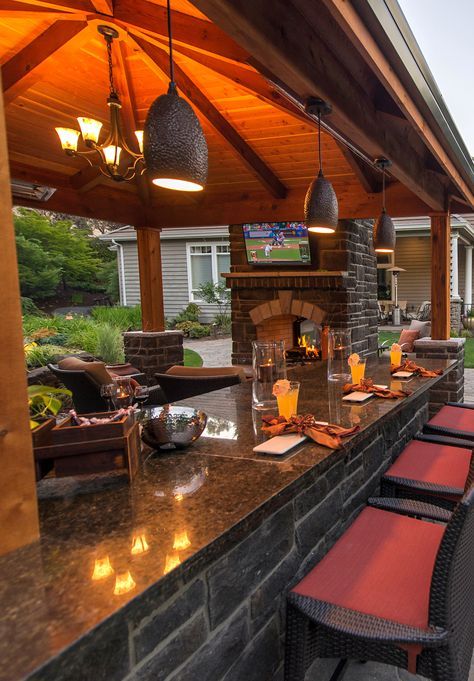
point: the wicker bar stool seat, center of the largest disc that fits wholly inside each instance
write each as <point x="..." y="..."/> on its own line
<point x="393" y="589"/>
<point x="432" y="472"/>
<point x="454" y="420"/>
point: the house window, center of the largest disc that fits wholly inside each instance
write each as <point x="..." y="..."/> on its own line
<point x="206" y="262"/>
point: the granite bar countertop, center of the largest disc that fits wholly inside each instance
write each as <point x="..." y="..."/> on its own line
<point x="182" y="511"/>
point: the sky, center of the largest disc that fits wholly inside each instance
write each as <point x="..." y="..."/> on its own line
<point x="444" y="31"/>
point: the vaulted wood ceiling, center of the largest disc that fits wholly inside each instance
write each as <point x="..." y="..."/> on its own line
<point x="262" y="147"/>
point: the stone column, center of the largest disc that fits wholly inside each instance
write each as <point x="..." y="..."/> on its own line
<point x="468" y="277"/>
<point x="451" y="387"/>
<point x="153" y="351"/>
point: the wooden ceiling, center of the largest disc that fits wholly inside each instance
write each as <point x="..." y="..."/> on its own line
<point x="262" y="147"/>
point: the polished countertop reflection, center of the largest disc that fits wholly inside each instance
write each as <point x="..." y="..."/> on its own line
<point x="103" y="543"/>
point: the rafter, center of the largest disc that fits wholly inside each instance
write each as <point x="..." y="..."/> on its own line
<point x="20" y="72"/>
<point x="290" y="41"/>
<point x="13" y="9"/>
<point x="367" y="176"/>
<point x="204" y="35"/>
<point x="71" y="6"/>
<point x="86" y="179"/>
<point x="104" y="6"/>
<point x="158" y="59"/>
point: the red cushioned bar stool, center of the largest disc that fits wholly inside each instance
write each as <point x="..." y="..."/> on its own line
<point x="433" y="472"/>
<point x="393" y="589"/>
<point x="454" y="420"/>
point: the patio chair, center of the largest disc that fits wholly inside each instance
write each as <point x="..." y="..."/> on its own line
<point x="393" y="589"/>
<point x="85" y="390"/>
<point x="454" y="421"/>
<point x="177" y="388"/>
<point x="382" y="316"/>
<point x="436" y="473"/>
<point x="423" y="314"/>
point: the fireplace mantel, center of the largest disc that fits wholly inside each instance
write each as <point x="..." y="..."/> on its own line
<point x="261" y="274"/>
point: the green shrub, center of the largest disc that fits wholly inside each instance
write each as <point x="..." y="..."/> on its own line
<point x="28" y="307"/>
<point x="465" y="333"/>
<point x="124" y="318"/>
<point x="41" y="355"/>
<point x="190" y="314"/>
<point x="194" y="329"/>
<point x="58" y="339"/>
<point x="223" y="321"/>
<point x="110" y="344"/>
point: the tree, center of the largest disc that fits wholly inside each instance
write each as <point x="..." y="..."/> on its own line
<point x="66" y="255"/>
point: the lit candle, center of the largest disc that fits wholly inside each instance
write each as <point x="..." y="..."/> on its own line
<point x="265" y="372"/>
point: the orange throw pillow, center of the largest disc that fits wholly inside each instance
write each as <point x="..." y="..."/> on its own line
<point x="407" y="339"/>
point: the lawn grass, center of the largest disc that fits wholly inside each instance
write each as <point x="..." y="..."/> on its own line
<point x="192" y="358"/>
<point x="393" y="336"/>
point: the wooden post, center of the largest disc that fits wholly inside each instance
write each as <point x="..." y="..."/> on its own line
<point x="440" y="276"/>
<point x="151" y="280"/>
<point x="18" y="506"/>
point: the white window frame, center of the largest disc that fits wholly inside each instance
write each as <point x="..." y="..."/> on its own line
<point x="193" y="297"/>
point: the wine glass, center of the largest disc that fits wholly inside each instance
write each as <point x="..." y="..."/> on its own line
<point x="108" y="392"/>
<point x="124" y="392"/>
<point x="142" y="393"/>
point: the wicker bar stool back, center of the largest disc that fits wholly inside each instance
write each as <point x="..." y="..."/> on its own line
<point x="440" y="650"/>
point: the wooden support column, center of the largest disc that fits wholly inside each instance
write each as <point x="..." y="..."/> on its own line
<point x="151" y="280"/>
<point x="18" y="505"/>
<point x="440" y="276"/>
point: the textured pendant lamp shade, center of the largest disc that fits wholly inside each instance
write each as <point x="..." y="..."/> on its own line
<point x="320" y="205"/>
<point x="174" y="146"/>
<point x="384" y="229"/>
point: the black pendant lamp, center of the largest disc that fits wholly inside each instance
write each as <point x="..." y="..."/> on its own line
<point x="384" y="229"/>
<point x="320" y="205"/>
<point x="174" y="145"/>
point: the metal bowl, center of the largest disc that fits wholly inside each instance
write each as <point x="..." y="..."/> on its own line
<point x="173" y="427"/>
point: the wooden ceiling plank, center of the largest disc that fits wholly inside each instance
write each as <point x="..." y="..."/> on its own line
<point x="157" y="58"/>
<point x="350" y="22"/>
<point x="104" y="7"/>
<point x="71" y="6"/>
<point x="13" y="9"/>
<point x="286" y="42"/>
<point x="19" y="73"/>
<point x="187" y="29"/>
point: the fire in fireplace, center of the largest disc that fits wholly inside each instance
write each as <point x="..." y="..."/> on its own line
<point x="306" y="347"/>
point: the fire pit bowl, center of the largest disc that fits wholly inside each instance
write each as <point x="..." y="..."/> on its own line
<point x="171" y="427"/>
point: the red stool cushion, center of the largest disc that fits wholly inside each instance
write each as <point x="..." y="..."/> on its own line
<point x="435" y="463"/>
<point x="457" y="418"/>
<point x="382" y="566"/>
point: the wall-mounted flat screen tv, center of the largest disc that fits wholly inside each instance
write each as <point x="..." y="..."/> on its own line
<point x="282" y="243"/>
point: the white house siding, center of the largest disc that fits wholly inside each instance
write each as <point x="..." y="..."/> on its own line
<point x="414" y="255"/>
<point x="175" y="276"/>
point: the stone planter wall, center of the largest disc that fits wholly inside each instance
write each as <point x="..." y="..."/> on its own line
<point x="153" y="351"/>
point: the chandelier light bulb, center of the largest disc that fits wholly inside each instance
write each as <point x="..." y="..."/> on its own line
<point x="90" y="129"/>
<point x="124" y="583"/>
<point x="102" y="569"/>
<point x="139" y="136"/>
<point x="68" y="138"/>
<point x="112" y="155"/>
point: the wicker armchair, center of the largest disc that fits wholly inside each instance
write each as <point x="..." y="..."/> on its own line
<point x="393" y="589"/>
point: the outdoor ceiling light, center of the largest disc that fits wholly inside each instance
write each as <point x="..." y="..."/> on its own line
<point x="107" y="155"/>
<point x="174" y="145"/>
<point x="320" y="205"/>
<point x="384" y="229"/>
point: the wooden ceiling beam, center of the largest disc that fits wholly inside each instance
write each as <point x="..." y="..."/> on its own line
<point x="285" y="40"/>
<point x="352" y="25"/>
<point x="86" y="179"/>
<point x="19" y="73"/>
<point x="204" y="35"/>
<point x="13" y="9"/>
<point x="158" y="59"/>
<point x="104" y="7"/>
<point x="67" y="6"/>
<point x="369" y="178"/>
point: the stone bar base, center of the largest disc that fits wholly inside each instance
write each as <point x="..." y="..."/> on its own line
<point x="153" y="351"/>
<point x="451" y="387"/>
<point x="456" y="315"/>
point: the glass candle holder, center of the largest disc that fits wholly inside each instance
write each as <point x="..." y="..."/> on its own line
<point x="338" y="354"/>
<point x="124" y="392"/>
<point x="269" y="365"/>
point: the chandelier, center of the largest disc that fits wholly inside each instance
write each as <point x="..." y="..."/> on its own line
<point x="105" y="156"/>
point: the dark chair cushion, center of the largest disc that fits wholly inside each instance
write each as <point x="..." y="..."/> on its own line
<point x="454" y="418"/>
<point x="181" y="387"/>
<point x="437" y="464"/>
<point x="381" y="566"/>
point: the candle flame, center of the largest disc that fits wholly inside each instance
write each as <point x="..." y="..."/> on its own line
<point x="171" y="563"/>
<point x="102" y="569"/>
<point x="139" y="544"/>
<point x="124" y="583"/>
<point x="181" y="541"/>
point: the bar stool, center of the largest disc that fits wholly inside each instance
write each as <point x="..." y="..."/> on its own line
<point x="454" y="420"/>
<point x="393" y="589"/>
<point x="433" y="472"/>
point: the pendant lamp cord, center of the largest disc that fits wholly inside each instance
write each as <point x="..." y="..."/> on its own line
<point x="113" y="92"/>
<point x="383" y="190"/>
<point x="319" y="143"/>
<point x="170" y="43"/>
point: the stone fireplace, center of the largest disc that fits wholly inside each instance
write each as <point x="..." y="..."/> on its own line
<point x="341" y="290"/>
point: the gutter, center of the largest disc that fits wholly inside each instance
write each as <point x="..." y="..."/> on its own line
<point x="122" y="287"/>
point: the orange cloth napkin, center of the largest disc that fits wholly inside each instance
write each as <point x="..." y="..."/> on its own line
<point x="328" y="436"/>
<point x="367" y="386"/>
<point x="410" y="365"/>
